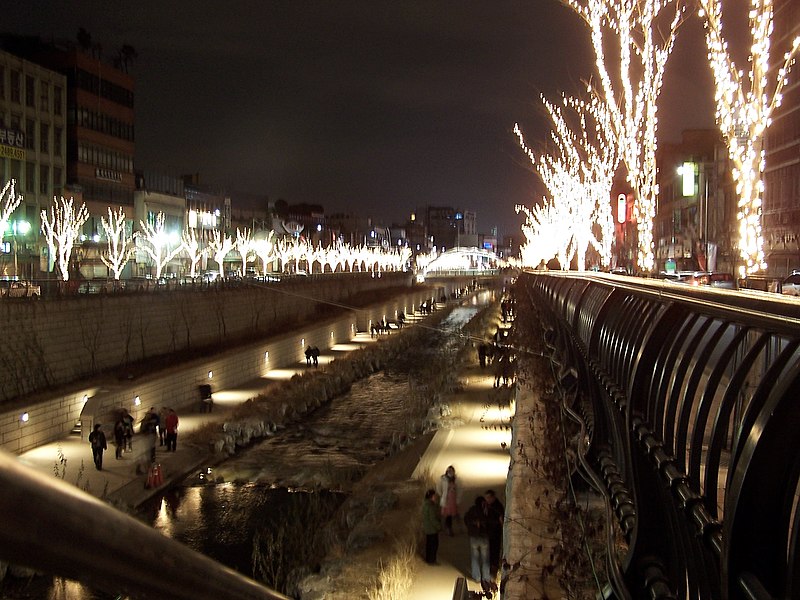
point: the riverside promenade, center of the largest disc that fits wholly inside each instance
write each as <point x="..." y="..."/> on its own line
<point x="473" y="441"/>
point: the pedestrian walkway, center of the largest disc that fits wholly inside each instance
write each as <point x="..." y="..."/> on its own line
<point x="476" y="446"/>
<point x="123" y="482"/>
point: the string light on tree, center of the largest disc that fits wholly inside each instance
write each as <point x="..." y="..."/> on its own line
<point x="190" y="245"/>
<point x="643" y="33"/>
<point x="158" y="244"/>
<point x="219" y="246"/>
<point x="745" y="104"/>
<point x="119" y="244"/>
<point x="9" y="201"/>
<point x="61" y="226"/>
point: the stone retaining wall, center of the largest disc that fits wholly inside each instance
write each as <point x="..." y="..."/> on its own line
<point x="52" y="342"/>
<point x="51" y="418"/>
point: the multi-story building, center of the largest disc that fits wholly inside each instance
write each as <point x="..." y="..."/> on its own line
<point x="781" y="201"/>
<point x="33" y="152"/>
<point x="695" y="222"/>
<point x="449" y="227"/>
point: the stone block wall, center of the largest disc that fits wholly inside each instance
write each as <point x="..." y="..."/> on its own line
<point x="53" y="417"/>
<point x="53" y="342"/>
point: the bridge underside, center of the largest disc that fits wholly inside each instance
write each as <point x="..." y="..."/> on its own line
<point x="690" y="403"/>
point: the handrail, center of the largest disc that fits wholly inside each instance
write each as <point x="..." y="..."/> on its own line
<point x="54" y="527"/>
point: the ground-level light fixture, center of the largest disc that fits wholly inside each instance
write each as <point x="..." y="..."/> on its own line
<point x="24" y="417"/>
<point x="210" y="374"/>
<point x="137" y="401"/>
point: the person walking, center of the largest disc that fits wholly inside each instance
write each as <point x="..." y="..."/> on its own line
<point x="162" y="426"/>
<point x="431" y="525"/>
<point x="449" y="492"/>
<point x="478" y="530"/>
<point x="127" y="419"/>
<point x="97" y="439"/>
<point x="119" y="437"/>
<point x="495" y="514"/>
<point x="172" y="430"/>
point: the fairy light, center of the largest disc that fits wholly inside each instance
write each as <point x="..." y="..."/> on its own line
<point x="745" y="103"/>
<point x="61" y="226"/>
<point x="119" y="245"/>
<point x="9" y="201"/>
<point x="634" y="26"/>
<point x="158" y="243"/>
<point x="219" y="246"/>
<point x="578" y="177"/>
<point x="190" y="245"/>
<point x="245" y="246"/>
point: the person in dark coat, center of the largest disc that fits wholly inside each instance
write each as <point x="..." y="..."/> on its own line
<point x="431" y="525"/>
<point x="495" y="515"/>
<point x="97" y="439"/>
<point x="172" y="430"/>
<point x="119" y="437"/>
<point x="478" y="530"/>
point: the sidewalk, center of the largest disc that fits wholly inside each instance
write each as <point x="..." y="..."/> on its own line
<point x="474" y="446"/>
<point x="119" y="482"/>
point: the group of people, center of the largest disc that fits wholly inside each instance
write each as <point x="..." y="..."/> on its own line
<point x="162" y="426"/>
<point x="312" y="355"/>
<point x="483" y="521"/>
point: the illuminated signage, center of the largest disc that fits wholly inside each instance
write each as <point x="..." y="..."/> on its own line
<point x="687" y="175"/>
<point x="622" y="208"/>
<point x="12" y="144"/>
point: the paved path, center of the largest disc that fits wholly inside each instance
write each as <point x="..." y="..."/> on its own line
<point x="474" y="446"/>
<point x="123" y="482"/>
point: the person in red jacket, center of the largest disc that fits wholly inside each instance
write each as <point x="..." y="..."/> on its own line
<point x="171" y="424"/>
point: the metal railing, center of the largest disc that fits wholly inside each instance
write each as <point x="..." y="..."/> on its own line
<point x="53" y="527"/>
<point x="690" y="400"/>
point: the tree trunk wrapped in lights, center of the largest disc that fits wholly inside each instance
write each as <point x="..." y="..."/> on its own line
<point x="636" y="28"/>
<point x="744" y="110"/>
<point x="264" y="249"/>
<point x="120" y="244"/>
<point x="219" y="246"/>
<point x="191" y="246"/>
<point x="9" y="201"/>
<point x="61" y="227"/>
<point x="578" y="177"/>
<point x="245" y="247"/>
<point x="158" y="243"/>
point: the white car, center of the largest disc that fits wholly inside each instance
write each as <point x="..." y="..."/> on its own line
<point x="791" y="285"/>
<point x="20" y="289"/>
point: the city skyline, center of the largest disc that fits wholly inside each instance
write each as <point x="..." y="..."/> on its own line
<point x="365" y="108"/>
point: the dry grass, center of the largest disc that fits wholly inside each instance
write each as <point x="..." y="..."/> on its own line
<point x="397" y="576"/>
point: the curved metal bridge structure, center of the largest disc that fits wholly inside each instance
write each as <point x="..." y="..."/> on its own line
<point x="691" y="402"/>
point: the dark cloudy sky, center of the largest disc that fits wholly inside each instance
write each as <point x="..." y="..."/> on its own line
<point x="366" y="106"/>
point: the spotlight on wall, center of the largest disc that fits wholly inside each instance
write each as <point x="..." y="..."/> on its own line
<point x="137" y="401"/>
<point x="266" y="355"/>
<point x="85" y="398"/>
<point x="24" y="417"/>
<point x="302" y="342"/>
<point x="331" y="335"/>
<point x="210" y="374"/>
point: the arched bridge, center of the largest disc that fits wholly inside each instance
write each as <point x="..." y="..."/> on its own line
<point x="691" y="400"/>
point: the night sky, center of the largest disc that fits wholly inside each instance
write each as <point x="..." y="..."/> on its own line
<point x="373" y="107"/>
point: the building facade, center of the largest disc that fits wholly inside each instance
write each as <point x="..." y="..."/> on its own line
<point x="33" y="152"/>
<point x="781" y="201"/>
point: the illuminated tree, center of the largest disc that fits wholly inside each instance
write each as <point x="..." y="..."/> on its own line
<point x="9" y="201"/>
<point x="578" y="174"/>
<point x="745" y="104"/>
<point x="120" y="245"/>
<point x="547" y="234"/>
<point x="644" y="38"/>
<point x="191" y="246"/>
<point x="160" y="245"/>
<point x="264" y="249"/>
<point x="61" y="227"/>
<point x="220" y="245"/>
<point x="245" y="247"/>
<point x="284" y="250"/>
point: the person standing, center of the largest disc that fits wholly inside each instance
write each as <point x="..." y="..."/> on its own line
<point x="119" y="437"/>
<point x="431" y="525"/>
<point x="97" y="439"/>
<point x="127" y="419"/>
<point x="478" y="530"/>
<point x="162" y="426"/>
<point x="495" y="514"/>
<point x="150" y="428"/>
<point x="172" y="430"/>
<point x="449" y="492"/>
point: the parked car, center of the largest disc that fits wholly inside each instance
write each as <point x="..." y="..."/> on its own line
<point x="791" y="285"/>
<point x="10" y="288"/>
<point x="716" y="280"/>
